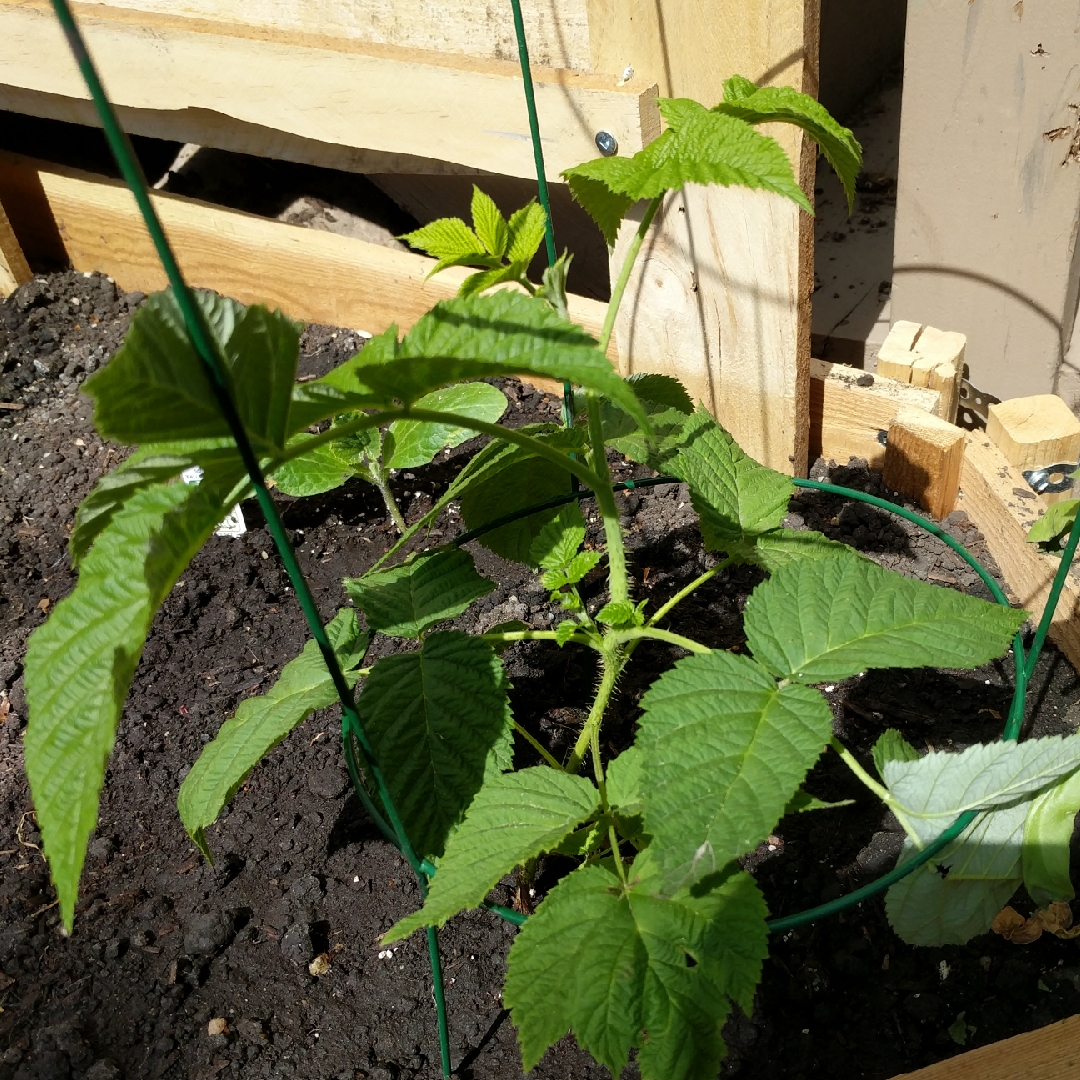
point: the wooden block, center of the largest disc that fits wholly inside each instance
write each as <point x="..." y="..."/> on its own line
<point x="925" y="356"/>
<point x="1049" y="1053"/>
<point x="333" y="90"/>
<point x="309" y="274"/>
<point x="922" y="459"/>
<point x="1033" y="432"/>
<point x="848" y="420"/>
<point x="14" y="270"/>
<point x="997" y="498"/>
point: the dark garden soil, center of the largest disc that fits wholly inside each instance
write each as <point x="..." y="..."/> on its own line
<point x="165" y="943"/>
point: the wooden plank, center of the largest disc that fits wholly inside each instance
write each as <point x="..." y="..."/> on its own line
<point x="848" y="420"/>
<point x="988" y="203"/>
<point x="1033" y="432"/>
<point x="997" y="498"/>
<point x="722" y="293"/>
<point x="14" y="270"/>
<point x="1049" y="1053"/>
<point x="311" y="275"/>
<point x="339" y="91"/>
<point x="925" y="356"/>
<point x="558" y="33"/>
<point x="922" y="459"/>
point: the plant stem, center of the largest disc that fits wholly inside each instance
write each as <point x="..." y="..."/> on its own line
<point x="382" y="482"/>
<point x="684" y="592"/>
<point x="537" y="746"/>
<point x="639" y="632"/>
<point x="618" y="581"/>
<point x="611" y="664"/>
<point x="882" y="792"/>
<point x="624" y="273"/>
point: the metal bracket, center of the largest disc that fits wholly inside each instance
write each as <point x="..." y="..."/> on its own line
<point x="971" y="412"/>
<point x="1040" y="480"/>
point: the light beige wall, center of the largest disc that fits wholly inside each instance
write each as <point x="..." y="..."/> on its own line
<point x="988" y="204"/>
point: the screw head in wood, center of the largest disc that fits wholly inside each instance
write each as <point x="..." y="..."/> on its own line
<point x="606" y="143"/>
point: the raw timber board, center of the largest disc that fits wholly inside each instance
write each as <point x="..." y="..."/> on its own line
<point x="1049" y="1053"/>
<point x="93" y="222"/>
<point x="456" y="108"/>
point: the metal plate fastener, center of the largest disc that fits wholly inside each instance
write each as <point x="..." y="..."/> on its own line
<point x="1041" y="480"/>
<point x="606" y="143"/>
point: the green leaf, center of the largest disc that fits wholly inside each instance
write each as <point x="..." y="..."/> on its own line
<point x="1048" y="831"/>
<point x="405" y="600"/>
<point x="142" y="470"/>
<point x="565" y="631"/>
<point x="319" y="470"/>
<point x="801" y="802"/>
<point x="699" y="147"/>
<point x="79" y="665"/>
<point x="770" y="104"/>
<point x="1055" y="522"/>
<point x="527" y="228"/>
<point x="605" y="206"/>
<point x="416" y="443"/>
<point x="514" y="817"/>
<point x="433" y="716"/>
<point x="262" y="354"/>
<point x="892" y="746"/>
<point x="489" y="223"/>
<point x="512" y="479"/>
<point x="622" y="613"/>
<point x="446" y="239"/>
<point x="825" y="619"/>
<point x="982" y="871"/>
<point x="479" y="337"/>
<point x="775" y="549"/>
<point x="646" y="971"/>
<point x="663" y="390"/>
<point x="261" y="722"/>
<point x="624" y="780"/>
<point x="488" y="279"/>
<point x="735" y="497"/>
<point x="725" y="750"/>
<point x="936" y="788"/>
<point x="155" y="388"/>
<point x="558" y="541"/>
<point x="580" y="565"/>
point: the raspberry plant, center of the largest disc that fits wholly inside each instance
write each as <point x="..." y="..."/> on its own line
<point x="648" y="943"/>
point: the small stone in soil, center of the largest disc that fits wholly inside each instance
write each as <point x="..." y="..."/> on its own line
<point x="296" y="944"/>
<point x="206" y="934"/>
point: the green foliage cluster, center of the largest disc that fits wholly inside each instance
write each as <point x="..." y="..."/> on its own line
<point x="657" y="933"/>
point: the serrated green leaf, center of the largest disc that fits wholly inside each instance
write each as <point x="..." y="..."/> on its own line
<point x="339" y="391"/>
<point x="631" y="981"/>
<point x="802" y="802"/>
<point x="664" y="390"/>
<point x="553" y="287"/>
<point x="580" y="565"/>
<point x="514" y="817"/>
<point x="488" y="279"/>
<point x="982" y="871"/>
<point x="892" y="746"/>
<point x="261" y="722"/>
<point x="624" y="781"/>
<point x="1055" y="522"/>
<point x="778" y="548"/>
<point x="557" y="542"/>
<point x="1048" y="831"/>
<point x="605" y="206"/>
<point x="433" y="716"/>
<point x="771" y="104"/>
<point x="416" y="443"/>
<point x="725" y="750"/>
<point x="489" y="223"/>
<point x="622" y="613"/>
<point x="565" y="631"/>
<point x="527" y="228"/>
<point x="155" y="389"/>
<point x="513" y="479"/>
<point x="502" y="333"/>
<point x="735" y="497"/>
<point x="405" y="600"/>
<point x="445" y="239"/>
<point x="700" y="146"/>
<point x="79" y="665"/>
<point x="826" y="619"/>
<point x="319" y="470"/>
<point x="936" y="788"/>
